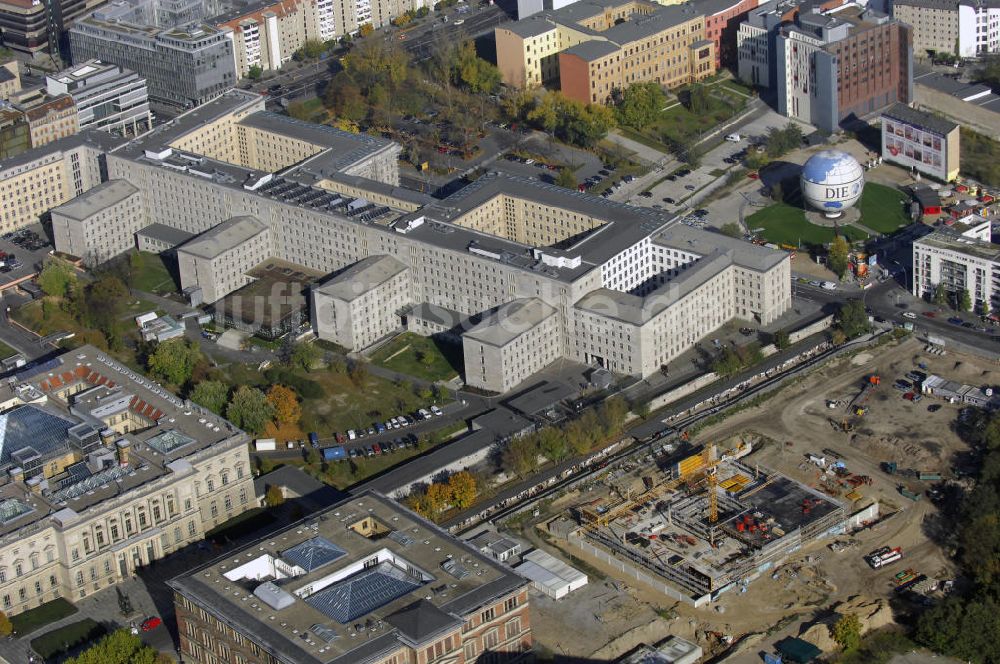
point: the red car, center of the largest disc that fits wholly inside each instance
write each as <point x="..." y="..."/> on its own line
<point x="929" y="314"/>
<point x="149" y="624"/>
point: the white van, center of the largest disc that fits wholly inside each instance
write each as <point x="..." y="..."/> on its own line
<point x="351" y="435"/>
<point x="734" y="138"/>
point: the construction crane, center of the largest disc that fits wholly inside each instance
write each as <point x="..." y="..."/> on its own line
<point x="711" y="468"/>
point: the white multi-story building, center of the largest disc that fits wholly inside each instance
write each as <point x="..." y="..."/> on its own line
<point x="107" y="96"/>
<point x="961" y="258"/>
<point x="966" y="28"/>
<point x="538" y="272"/>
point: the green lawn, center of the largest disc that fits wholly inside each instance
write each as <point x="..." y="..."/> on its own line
<point x="50" y="612"/>
<point x="421" y="357"/>
<point x="66" y="638"/>
<point x="782" y="223"/>
<point x="6" y="351"/>
<point x="883" y="209"/>
<point x="151" y="274"/>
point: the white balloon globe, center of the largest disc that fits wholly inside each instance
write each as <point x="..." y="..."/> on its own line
<point x="831" y="182"/>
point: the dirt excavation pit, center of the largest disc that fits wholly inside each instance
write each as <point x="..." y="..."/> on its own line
<point x="790" y="432"/>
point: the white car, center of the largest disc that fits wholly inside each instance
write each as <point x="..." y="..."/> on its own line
<point x="437" y="411"/>
<point x="459" y="21"/>
<point x="424" y="414"/>
<point x="734" y="138"/>
<point x="910" y="315"/>
<point x="351" y="435"/>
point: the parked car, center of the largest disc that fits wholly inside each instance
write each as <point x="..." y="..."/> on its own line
<point x="437" y="411"/>
<point x="424" y="413"/>
<point x="149" y="624"/>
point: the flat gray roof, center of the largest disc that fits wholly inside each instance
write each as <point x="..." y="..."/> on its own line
<point x="955" y="241"/>
<point x="637" y="310"/>
<point x="99" y="140"/>
<point x="697" y="241"/>
<point x="361" y="277"/>
<point x="166" y="234"/>
<point x="345" y="148"/>
<point x="509" y="321"/>
<point x="593" y="49"/>
<point x="303" y="172"/>
<point x="225" y="236"/>
<point x="928" y="121"/>
<point x="414" y="617"/>
<point x="96" y="199"/>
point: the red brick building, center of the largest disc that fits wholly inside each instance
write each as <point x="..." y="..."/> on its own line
<point x="722" y="21"/>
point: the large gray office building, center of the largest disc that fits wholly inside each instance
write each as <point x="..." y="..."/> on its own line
<point x="184" y="66"/>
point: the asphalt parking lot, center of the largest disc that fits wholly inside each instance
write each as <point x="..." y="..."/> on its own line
<point x="28" y="247"/>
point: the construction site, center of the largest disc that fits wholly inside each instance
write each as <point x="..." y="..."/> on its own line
<point x="693" y="526"/>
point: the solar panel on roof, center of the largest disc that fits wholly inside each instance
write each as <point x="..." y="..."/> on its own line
<point x="313" y="553"/>
<point x="401" y="538"/>
<point x="364" y="592"/>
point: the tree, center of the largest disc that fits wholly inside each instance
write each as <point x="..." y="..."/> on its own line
<point x="847" y="632"/>
<point x="174" y="360"/>
<point x="119" y="647"/>
<point x="103" y="304"/>
<point x="782" y="340"/>
<point x="285" y="404"/>
<point x="640" y="104"/>
<point x="518" y="456"/>
<point x="964" y="300"/>
<point x="299" y="111"/>
<point x="836" y="258"/>
<point x="780" y="141"/>
<point x="305" y="355"/>
<point x="984" y="308"/>
<point x="255" y="72"/>
<point x="551" y="444"/>
<point x="852" y="319"/>
<point x="249" y="409"/>
<point x="476" y="74"/>
<point x="940" y="296"/>
<point x="366" y="29"/>
<point x="732" y="229"/>
<point x="274" y="496"/>
<point x="698" y="99"/>
<point x="56" y="278"/>
<point x="438" y="496"/>
<point x="565" y="178"/>
<point x="312" y="456"/>
<point x="462" y="486"/>
<point x="344" y="98"/>
<point x="6" y="627"/>
<point x="211" y="394"/>
<point x="311" y="49"/>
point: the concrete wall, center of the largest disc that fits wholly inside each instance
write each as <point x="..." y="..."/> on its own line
<point x="632" y="572"/>
<point x="682" y="391"/>
<point x="811" y="329"/>
<point x="968" y="115"/>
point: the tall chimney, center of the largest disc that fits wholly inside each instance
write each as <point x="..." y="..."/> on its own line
<point x="123" y="445"/>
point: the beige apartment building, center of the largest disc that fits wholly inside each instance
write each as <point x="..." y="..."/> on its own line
<point x="52" y="119"/>
<point x="10" y="79"/>
<point x="35" y="181"/>
<point x="361" y="305"/>
<point x="541" y="272"/>
<point x="267" y="35"/>
<point x="104" y="473"/>
<point x="592" y="47"/>
<point x="218" y="260"/>
<point x="517" y="340"/>
<point x="86" y="225"/>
